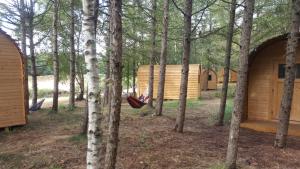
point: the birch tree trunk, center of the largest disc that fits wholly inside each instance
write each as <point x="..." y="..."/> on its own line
<point x="185" y="65"/>
<point x="55" y="56"/>
<point x="72" y="58"/>
<point x="227" y="63"/>
<point x="163" y="58"/>
<point x="116" y="89"/>
<point x="94" y="114"/>
<point x="290" y="74"/>
<point x="152" y="55"/>
<point x="239" y="101"/>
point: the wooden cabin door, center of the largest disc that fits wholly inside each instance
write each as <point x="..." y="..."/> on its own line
<point x="278" y="91"/>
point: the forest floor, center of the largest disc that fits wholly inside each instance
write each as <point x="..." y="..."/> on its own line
<point x="54" y="141"/>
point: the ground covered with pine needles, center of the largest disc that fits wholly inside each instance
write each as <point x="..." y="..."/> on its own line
<point x="149" y="142"/>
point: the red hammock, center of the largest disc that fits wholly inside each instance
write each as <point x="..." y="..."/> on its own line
<point x="135" y="103"/>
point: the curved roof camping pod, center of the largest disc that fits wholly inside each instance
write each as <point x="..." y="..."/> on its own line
<point x="265" y="87"/>
<point x="13" y="109"/>
<point x="172" y="81"/>
<point x="212" y="79"/>
<point x="232" y="76"/>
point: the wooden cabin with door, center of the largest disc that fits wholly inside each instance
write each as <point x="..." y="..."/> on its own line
<point x="172" y="81"/>
<point x="265" y="87"/>
<point x="13" y="109"/>
<point x="209" y="79"/>
<point x="232" y="76"/>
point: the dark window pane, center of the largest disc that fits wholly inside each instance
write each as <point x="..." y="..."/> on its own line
<point x="281" y="71"/>
<point x="209" y="77"/>
<point x="298" y="71"/>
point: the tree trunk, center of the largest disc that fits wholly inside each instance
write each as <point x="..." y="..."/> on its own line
<point x="239" y="101"/>
<point x="107" y="68"/>
<point x="85" y="123"/>
<point x="94" y="116"/>
<point x="72" y="58"/>
<point x="23" y="46"/>
<point x="185" y="65"/>
<point x="290" y="74"/>
<point x="33" y="65"/>
<point x="116" y="92"/>
<point x="108" y="54"/>
<point x="32" y="54"/>
<point x="128" y="77"/>
<point x="55" y="56"/>
<point x="152" y="55"/>
<point x="133" y="78"/>
<point x="163" y="58"/>
<point x="79" y="70"/>
<point x="81" y="87"/>
<point x="227" y="63"/>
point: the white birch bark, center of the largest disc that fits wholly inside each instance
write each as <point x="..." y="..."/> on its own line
<point x="94" y="115"/>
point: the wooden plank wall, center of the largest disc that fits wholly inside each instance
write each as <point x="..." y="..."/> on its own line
<point x="12" y="109"/>
<point x="212" y="84"/>
<point x="260" y="83"/>
<point x="232" y="76"/>
<point x="172" y="83"/>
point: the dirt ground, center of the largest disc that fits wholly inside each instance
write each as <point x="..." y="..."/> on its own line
<point x="54" y="142"/>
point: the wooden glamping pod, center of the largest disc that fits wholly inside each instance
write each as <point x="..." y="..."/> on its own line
<point x="172" y="83"/>
<point x="212" y="80"/>
<point x="232" y="76"/>
<point x="265" y="87"/>
<point x="12" y="87"/>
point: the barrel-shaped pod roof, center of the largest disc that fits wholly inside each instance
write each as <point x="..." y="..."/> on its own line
<point x="13" y="109"/>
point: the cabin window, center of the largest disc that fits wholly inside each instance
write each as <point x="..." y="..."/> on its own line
<point x="209" y="78"/>
<point x="281" y="71"/>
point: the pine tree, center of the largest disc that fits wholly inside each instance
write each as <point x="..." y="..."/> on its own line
<point x="240" y="95"/>
<point x="227" y="63"/>
<point x="163" y="58"/>
<point x="185" y="65"/>
<point x="290" y="70"/>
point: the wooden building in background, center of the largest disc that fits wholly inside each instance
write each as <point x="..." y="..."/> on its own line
<point x="265" y="87"/>
<point x="12" y="83"/>
<point x="172" y="83"/>
<point x="232" y="76"/>
<point x="211" y="80"/>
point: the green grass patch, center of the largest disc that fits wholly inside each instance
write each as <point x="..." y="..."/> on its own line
<point x="11" y="159"/>
<point x="190" y="103"/>
<point x="55" y="166"/>
<point x="218" y="166"/>
<point x="230" y="91"/>
<point x="228" y="110"/>
<point x="227" y="116"/>
<point x="143" y="138"/>
<point x="79" y="138"/>
<point x="42" y="93"/>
